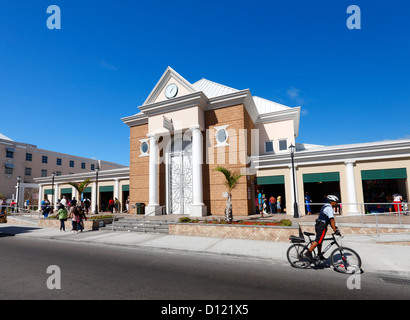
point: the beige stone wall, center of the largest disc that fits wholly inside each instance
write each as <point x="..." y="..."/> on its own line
<point x="266" y="233"/>
<point x="269" y="233"/>
<point x="232" y="157"/>
<point x="139" y="166"/>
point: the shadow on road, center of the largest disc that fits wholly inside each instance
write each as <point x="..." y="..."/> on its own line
<point x="12" y="231"/>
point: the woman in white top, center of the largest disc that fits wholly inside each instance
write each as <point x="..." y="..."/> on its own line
<point x="397" y="198"/>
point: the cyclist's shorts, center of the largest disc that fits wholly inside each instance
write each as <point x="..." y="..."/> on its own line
<point x="320" y="233"/>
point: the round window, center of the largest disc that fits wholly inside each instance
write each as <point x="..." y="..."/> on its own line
<point x="144" y="147"/>
<point x="221" y="136"/>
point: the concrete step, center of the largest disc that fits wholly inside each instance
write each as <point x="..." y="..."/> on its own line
<point x="139" y="225"/>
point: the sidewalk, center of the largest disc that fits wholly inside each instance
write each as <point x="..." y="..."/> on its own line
<point x="384" y="254"/>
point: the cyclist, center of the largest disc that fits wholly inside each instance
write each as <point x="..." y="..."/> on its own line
<point x="326" y="217"/>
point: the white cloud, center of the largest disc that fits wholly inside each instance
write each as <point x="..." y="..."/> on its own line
<point x="106" y="65"/>
<point x="294" y="95"/>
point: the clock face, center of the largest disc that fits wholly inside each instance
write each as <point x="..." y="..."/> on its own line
<point x="171" y="90"/>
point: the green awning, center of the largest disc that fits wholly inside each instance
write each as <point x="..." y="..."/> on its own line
<point x="66" y="190"/>
<point x="126" y="187"/>
<point x="87" y="190"/>
<point x="270" y="180"/>
<point x="48" y="191"/>
<point x="400" y="173"/>
<point x="106" y="189"/>
<point x="321" y="177"/>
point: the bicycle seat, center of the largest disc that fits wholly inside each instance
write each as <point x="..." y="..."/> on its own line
<point x="309" y="233"/>
<point x="296" y="239"/>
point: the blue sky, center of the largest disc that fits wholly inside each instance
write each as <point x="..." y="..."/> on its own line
<point x="66" y="90"/>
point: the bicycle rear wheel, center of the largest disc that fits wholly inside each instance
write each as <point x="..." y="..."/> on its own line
<point x="296" y="258"/>
<point x="346" y="260"/>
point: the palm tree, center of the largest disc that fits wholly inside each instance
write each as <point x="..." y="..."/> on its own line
<point x="80" y="186"/>
<point x="231" y="180"/>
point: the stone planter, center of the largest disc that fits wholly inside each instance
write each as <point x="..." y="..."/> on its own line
<point x="88" y="225"/>
<point x="266" y="233"/>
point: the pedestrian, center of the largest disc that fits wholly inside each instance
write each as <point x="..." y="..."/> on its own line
<point x="74" y="219"/>
<point x="80" y="219"/>
<point x="265" y="205"/>
<point x="62" y="216"/>
<point x="389" y="199"/>
<point x="397" y="198"/>
<point x="64" y="201"/>
<point x="272" y="204"/>
<point x="87" y="203"/>
<point x="405" y="207"/>
<point x="111" y="205"/>
<point x="3" y="213"/>
<point x="12" y="205"/>
<point x="27" y="205"/>
<point x="127" y="204"/>
<point x="259" y="202"/>
<point x="278" y="204"/>
<point x="308" y="201"/>
<point x="116" y="205"/>
<point x="45" y="207"/>
<point x="3" y="206"/>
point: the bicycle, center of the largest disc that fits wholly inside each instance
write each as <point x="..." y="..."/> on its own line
<point x="344" y="260"/>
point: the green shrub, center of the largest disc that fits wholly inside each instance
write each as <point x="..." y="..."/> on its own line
<point x="97" y="217"/>
<point x="285" y="222"/>
<point x="184" y="220"/>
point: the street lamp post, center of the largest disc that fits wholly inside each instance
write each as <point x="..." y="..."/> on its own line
<point x="53" y="174"/>
<point x="295" y="203"/>
<point x="18" y="192"/>
<point x="97" y="169"/>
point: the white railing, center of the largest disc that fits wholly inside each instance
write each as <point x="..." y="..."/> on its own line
<point x="364" y="213"/>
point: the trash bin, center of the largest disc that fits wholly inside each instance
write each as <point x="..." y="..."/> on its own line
<point x="140" y="208"/>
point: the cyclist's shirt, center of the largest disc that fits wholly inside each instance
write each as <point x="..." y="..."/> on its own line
<point x="326" y="213"/>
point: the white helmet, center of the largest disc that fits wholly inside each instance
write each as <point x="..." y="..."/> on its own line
<point x="332" y="198"/>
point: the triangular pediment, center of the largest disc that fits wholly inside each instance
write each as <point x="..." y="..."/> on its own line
<point x="170" y="76"/>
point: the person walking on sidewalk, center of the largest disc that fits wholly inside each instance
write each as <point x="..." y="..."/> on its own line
<point x="62" y="216"/>
<point x="81" y="218"/>
<point x="74" y="219"/>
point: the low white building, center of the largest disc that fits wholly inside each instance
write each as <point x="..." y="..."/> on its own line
<point x="111" y="184"/>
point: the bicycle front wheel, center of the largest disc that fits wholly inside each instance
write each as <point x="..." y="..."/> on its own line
<point x="346" y="260"/>
<point x="296" y="258"/>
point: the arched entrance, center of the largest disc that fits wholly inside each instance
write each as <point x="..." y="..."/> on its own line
<point x="179" y="177"/>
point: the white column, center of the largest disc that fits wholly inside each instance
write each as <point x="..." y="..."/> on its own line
<point x="197" y="208"/>
<point x="93" y="197"/>
<point x="290" y="205"/>
<point x="153" y="205"/>
<point x="117" y="189"/>
<point x="40" y="196"/>
<point x="351" y="188"/>
<point x="56" y="192"/>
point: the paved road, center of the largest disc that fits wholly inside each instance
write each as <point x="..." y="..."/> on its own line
<point x="90" y="271"/>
